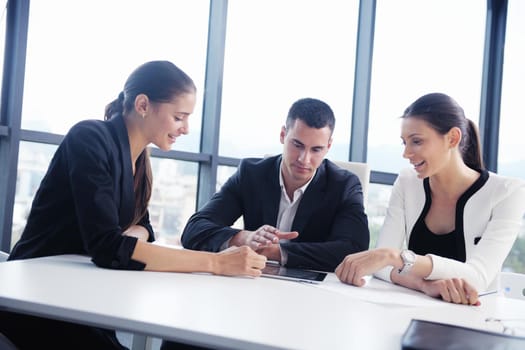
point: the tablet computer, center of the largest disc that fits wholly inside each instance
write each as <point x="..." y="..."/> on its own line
<point x="292" y="274"/>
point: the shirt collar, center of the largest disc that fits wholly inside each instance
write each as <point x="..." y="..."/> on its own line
<point x="302" y="189"/>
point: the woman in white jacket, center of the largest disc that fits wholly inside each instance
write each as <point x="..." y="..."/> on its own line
<point x="450" y="223"/>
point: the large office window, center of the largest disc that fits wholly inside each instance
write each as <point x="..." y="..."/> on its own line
<point x="77" y="63"/>
<point x="278" y="52"/>
<point x="421" y="47"/>
<point x="33" y="162"/>
<point x="173" y="199"/>
<point x="378" y="198"/>
<point x="223" y="174"/>
<point x="511" y="159"/>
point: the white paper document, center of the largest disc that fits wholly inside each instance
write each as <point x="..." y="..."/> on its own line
<point x="380" y="292"/>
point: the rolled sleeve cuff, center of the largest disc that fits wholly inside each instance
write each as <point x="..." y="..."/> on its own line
<point x="121" y="260"/>
<point x="438" y="265"/>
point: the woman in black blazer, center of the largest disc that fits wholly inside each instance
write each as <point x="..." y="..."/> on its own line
<point x="93" y="200"/>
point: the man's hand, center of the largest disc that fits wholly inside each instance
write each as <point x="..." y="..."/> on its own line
<point x="264" y="236"/>
<point x="272" y="252"/>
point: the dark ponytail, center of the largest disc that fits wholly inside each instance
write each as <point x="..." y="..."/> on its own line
<point x="116" y="107"/>
<point x="471" y="147"/>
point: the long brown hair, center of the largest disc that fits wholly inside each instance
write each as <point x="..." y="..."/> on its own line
<point x="161" y="81"/>
<point x="442" y="113"/>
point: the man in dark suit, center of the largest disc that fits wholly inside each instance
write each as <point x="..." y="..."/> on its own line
<point x="298" y="208"/>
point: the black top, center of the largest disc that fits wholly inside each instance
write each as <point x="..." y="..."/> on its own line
<point x="451" y="245"/>
<point x="86" y="199"/>
<point x="330" y="218"/>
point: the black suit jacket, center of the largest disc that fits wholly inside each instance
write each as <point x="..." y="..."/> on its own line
<point x="330" y="218"/>
<point x="86" y="199"/>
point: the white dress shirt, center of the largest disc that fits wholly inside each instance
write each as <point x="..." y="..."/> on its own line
<point x="288" y="209"/>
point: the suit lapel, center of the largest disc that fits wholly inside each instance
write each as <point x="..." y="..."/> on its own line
<point x="271" y="195"/>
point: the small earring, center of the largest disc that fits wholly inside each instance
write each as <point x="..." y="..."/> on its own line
<point x="144" y="116"/>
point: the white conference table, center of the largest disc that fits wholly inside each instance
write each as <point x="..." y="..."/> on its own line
<point x="232" y="312"/>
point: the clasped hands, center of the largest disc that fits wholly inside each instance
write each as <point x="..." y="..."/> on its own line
<point x="264" y="240"/>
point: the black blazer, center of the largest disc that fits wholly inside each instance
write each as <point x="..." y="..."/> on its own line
<point x="86" y="199"/>
<point x="330" y="218"/>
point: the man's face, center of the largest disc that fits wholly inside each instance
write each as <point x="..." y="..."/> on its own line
<point x="304" y="150"/>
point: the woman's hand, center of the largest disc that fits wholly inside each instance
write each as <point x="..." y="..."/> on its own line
<point x="236" y="261"/>
<point x="454" y="290"/>
<point x="355" y="266"/>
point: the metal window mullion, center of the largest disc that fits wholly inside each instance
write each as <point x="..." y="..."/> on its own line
<point x="11" y="111"/>
<point x="490" y="102"/>
<point x="362" y="81"/>
<point x="212" y="100"/>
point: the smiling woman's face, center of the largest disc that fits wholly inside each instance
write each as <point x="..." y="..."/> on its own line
<point x="170" y="120"/>
<point x="427" y="150"/>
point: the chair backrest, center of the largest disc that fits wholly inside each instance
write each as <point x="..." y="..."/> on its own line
<point x="362" y="170"/>
<point x="3" y="256"/>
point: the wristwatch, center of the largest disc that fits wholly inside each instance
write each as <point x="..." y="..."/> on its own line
<point x="409" y="259"/>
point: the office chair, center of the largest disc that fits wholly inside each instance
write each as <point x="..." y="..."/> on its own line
<point x="361" y="170"/>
